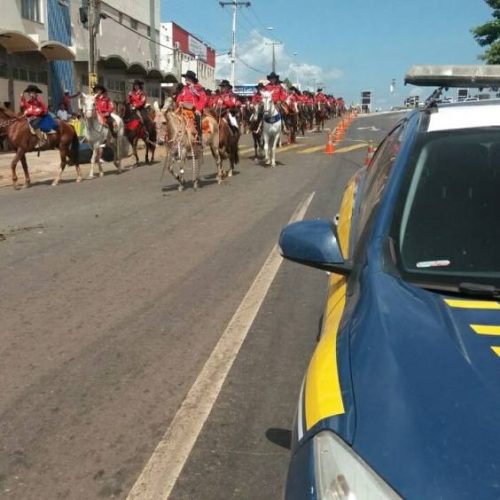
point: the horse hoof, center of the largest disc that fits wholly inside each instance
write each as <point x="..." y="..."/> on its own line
<point x="79" y="179"/>
<point x="180" y="188"/>
<point x="101" y="174"/>
<point x="90" y="177"/>
<point x="230" y="173"/>
<point x="55" y="183"/>
<point x="26" y="185"/>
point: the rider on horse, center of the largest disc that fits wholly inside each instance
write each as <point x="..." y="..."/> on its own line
<point x="320" y="97"/>
<point x="193" y="96"/>
<point x="257" y="96"/>
<point x="227" y="103"/>
<point x="104" y="107"/>
<point x="35" y="110"/>
<point x="278" y="93"/>
<point x="137" y="101"/>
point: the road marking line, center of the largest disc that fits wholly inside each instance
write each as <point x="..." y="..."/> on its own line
<point x="313" y="149"/>
<point x="165" y="465"/>
<point x="347" y="149"/>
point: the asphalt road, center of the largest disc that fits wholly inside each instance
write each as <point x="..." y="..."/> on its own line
<point x="115" y="292"/>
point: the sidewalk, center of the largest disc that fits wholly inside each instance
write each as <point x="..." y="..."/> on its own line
<point x="46" y="166"/>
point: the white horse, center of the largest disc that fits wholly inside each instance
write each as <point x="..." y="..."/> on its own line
<point x="271" y="128"/>
<point x="96" y="135"/>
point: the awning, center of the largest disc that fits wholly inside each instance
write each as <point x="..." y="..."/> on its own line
<point x="15" y="41"/>
<point x="114" y="62"/>
<point x="155" y="73"/>
<point x="170" y="78"/>
<point x="56" y="51"/>
<point x="136" y="68"/>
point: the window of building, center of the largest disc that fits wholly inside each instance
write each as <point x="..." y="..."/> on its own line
<point x="120" y="17"/>
<point x="134" y="24"/>
<point x="149" y="31"/>
<point x="30" y="9"/>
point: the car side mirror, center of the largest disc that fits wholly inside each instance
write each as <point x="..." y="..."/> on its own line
<point x="314" y="243"/>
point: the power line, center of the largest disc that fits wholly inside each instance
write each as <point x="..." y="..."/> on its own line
<point x="251" y="67"/>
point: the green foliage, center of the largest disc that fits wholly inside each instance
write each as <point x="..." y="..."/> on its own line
<point x="488" y="34"/>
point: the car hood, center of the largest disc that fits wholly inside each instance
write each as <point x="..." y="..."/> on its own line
<point x="426" y="390"/>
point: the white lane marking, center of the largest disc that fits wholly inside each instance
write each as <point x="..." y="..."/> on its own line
<point x="165" y="465"/>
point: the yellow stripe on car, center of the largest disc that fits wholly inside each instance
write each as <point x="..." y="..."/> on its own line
<point x="472" y="304"/>
<point x="323" y="395"/>
<point x="486" y="329"/>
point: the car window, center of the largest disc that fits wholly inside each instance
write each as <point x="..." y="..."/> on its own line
<point x="378" y="174"/>
<point x="446" y="224"/>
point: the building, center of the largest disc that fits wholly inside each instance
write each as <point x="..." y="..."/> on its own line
<point x="181" y="51"/>
<point x="29" y="48"/>
<point x="127" y="47"/>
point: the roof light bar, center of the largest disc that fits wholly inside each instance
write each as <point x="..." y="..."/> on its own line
<point x="470" y="76"/>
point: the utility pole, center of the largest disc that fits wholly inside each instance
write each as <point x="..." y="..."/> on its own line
<point x="274" y="54"/>
<point x="235" y="4"/>
<point x="93" y="24"/>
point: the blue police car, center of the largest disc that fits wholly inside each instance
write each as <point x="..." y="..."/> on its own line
<point x="402" y="395"/>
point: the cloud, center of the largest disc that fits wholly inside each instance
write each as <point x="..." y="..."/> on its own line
<point x="254" y="62"/>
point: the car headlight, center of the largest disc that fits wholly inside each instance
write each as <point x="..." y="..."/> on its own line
<point x="340" y="474"/>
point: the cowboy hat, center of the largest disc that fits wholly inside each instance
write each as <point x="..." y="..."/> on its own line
<point x="273" y="75"/>
<point x="33" y="88"/>
<point x="98" y="86"/>
<point x="138" y="82"/>
<point x="190" y="75"/>
<point x="260" y="85"/>
<point x="320" y="90"/>
<point x="225" y="83"/>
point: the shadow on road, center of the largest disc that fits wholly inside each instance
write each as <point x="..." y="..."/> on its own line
<point x="281" y="437"/>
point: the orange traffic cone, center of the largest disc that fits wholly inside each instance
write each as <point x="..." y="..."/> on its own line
<point x="337" y="136"/>
<point x="330" y="148"/>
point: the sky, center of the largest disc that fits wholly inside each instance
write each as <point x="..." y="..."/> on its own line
<point x="344" y="46"/>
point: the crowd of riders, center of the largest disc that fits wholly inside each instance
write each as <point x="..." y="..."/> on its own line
<point x="223" y="101"/>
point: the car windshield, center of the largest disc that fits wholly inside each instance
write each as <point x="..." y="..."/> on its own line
<point x="446" y="227"/>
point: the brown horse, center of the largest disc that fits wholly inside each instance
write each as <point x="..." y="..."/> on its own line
<point x="178" y="133"/>
<point x="23" y="141"/>
<point x="135" y="130"/>
<point x="228" y="141"/>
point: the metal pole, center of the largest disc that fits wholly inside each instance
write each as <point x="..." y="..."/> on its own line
<point x="93" y="26"/>
<point x="233" y="49"/>
<point x="235" y="4"/>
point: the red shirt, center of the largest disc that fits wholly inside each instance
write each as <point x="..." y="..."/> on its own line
<point x="227" y="100"/>
<point x="193" y="94"/>
<point x="320" y="97"/>
<point x="137" y="98"/>
<point x="279" y="93"/>
<point x="104" y="105"/>
<point x="33" y="106"/>
<point x="257" y="98"/>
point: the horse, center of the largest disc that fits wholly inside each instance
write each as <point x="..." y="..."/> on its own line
<point x="228" y="142"/>
<point x="292" y="119"/>
<point x="271" y="128"/>
<point x="176" y="130"/>
<point x="135" y="130"/>
<point x="320" y="116"/>
<point x="96" y="134"/>
<point x="255" y="126"/>
<point x="22" y="140"/>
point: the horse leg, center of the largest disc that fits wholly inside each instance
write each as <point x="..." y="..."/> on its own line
<point x="20" y="156"/>
<point x="273" y="150"/>
<point x="117" y="157"/>
<point x="218" y="162"/>
<point x="100" y="150"/>
<point x="62" y="153"/>
<point x="267" y="159"/>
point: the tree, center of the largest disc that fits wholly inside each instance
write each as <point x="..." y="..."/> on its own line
<point x="488" y="34"/>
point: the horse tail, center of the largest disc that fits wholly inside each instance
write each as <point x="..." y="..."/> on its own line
<point x="74" y="150"/>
